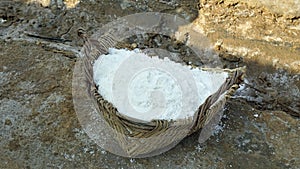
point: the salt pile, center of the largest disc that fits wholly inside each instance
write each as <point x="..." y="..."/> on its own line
<point x="147" y="88"/>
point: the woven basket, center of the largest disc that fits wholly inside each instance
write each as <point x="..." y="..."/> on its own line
<point x="140" y="138"/>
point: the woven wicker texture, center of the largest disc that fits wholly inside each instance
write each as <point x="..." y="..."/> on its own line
<point x="140" y="138"/>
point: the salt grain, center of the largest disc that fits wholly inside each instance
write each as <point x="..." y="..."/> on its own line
<point x="170" y="95"/>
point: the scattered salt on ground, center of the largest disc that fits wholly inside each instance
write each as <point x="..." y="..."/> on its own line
<point x="159" y="89"/>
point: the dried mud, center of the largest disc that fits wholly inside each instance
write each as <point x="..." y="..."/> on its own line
<point x="39" y="46"/>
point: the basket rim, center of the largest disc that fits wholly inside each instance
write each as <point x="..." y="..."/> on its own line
<point x="195" y="122"/>
<point x="124" y="124"/>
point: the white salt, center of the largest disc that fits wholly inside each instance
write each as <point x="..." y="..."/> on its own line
<point x="149" y="88"/>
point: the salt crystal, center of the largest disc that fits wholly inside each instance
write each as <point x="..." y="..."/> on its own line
<point x="2" y="20"/>
<point x="150" y="88"/>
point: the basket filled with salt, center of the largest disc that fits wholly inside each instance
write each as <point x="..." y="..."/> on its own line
<point x="137" y="126"/>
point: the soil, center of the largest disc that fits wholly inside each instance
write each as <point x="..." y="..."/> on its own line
<point x="39" y="47"/>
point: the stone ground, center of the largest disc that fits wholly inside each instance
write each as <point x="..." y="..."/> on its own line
<point x="39" y="47"/>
